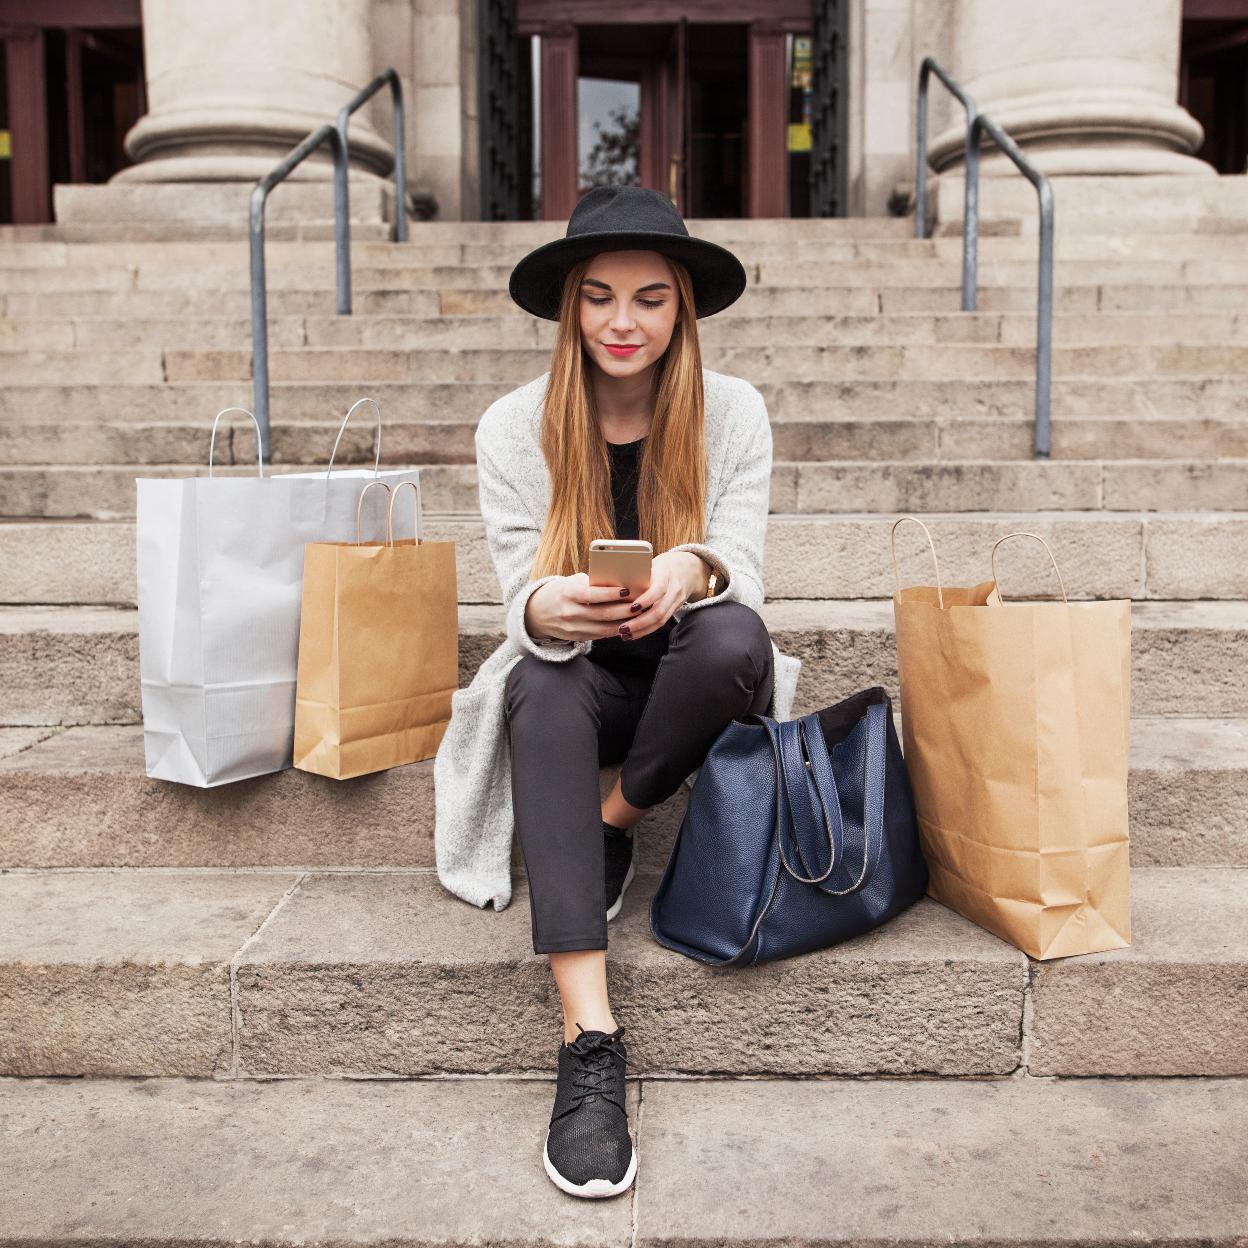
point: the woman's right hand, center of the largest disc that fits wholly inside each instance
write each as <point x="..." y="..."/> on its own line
<point x="569" y="608"/>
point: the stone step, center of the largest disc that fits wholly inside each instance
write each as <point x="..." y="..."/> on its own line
<point x="433" y="267"/>
<point x="341" y="973"/>
<point x="79" y="665"/>
<point x="765" y="364"/>
<point x="498" y="331"/>
<point x="429" y="242"/>
<point x="107" y="490"/>
<point x="26" y="440"/>
<point x="400" y="299"/>
<point x="79" y="798"/>
<point x="1166" y="556"/>
<point x="1144" y="399"/>
<point x="333" y="1164"/>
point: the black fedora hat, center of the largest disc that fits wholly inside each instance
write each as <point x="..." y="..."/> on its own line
<point x="626" y="218"/>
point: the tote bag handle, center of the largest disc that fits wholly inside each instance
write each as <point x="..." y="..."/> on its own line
<point x="342" y="428"/>
<point x="420" y="511"/>
<point x="892" y="537"/>
<point x="818" y="805"/>
<point x="212" y="444"/>
<point x="1035" y="537"/>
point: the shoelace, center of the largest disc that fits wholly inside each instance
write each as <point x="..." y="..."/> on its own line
<point x="594" y="1066"/>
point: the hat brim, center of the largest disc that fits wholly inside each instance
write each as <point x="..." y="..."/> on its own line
<point x="718" y="277"/>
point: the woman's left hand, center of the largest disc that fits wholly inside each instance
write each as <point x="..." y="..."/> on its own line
<point x="674" y="575"/>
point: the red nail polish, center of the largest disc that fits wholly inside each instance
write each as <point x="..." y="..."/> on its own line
<point x="625" y="631"/>
<point x="635" y="607"/>
<point x="623" y="591"/>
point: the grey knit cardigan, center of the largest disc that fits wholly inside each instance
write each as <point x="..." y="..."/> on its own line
<point x="472" y="771"/>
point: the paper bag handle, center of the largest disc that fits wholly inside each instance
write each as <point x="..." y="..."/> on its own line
<point x="897" y="569"/>
<point x="1035" y="537"/>
<point x="420" y="511"/>
<point x="212" y="445"/>
<point x="343" y="428"/>
<point x="359" y="506"/>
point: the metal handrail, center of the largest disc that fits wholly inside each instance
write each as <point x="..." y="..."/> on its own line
<point x="339" y="145"/>
<point x="342" y="235"/>
<point x="977" y="125"/>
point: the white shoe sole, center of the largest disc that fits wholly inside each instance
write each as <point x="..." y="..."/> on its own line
<point x="619" y="901"/>
<point x="595" y="1189"/>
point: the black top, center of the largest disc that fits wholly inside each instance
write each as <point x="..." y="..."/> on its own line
<point x="645" y="651"/>
<point x="625" y="460"/>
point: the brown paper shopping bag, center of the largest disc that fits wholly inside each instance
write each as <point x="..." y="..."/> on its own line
<point x="378" y="650"/>
<point x="1016" y="723"/>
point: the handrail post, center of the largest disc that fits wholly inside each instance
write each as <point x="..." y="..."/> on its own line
<point x="977" y="124"/>
<point x="342" y="192"/>
<point x="336" y="136"/>
<point x="259" y="282"/>
<point x="970" y="212"/>
<point x="920" y="172"/>
<point x="1044" y="325"/>
<point x="259" y="319"/>
<point x="970" y="215"/>
<point x="342" y="221"/>
<point x="1044" y="297"/>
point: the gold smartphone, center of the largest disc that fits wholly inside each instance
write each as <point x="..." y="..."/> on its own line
<point x="620" y="561"/>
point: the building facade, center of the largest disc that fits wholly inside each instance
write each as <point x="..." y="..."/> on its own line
<point x="737" y="108"/>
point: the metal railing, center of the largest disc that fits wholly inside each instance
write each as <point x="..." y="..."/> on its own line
<point x="977" y="125"/>
<point x="336" y="137"/>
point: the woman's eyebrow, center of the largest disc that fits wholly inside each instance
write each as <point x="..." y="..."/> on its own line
<point x="593" y="281"/>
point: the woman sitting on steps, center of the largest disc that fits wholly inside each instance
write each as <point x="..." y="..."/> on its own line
<point x="626" y="436"/>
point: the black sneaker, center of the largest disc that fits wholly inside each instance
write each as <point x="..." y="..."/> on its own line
<point x="617" y="866"/>
<point x="589" y="1151"/>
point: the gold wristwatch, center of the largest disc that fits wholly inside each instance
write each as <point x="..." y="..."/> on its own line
<point x="710" y="586"/>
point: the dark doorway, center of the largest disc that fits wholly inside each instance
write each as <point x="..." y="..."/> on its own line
<point x="665" y="106"/>
<point x="1213" y="79"/>
<point x="72" y="87"/>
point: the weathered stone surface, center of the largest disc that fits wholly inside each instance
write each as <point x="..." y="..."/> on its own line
<point x="18" y="740"/>
<point x="808" y="556"/>
<point x="1189" y="792"/>
<point x="80" y="799"/>
<point x="389" y="974"/>
<point x="1190" y="486"/>
<point x="1150" y="398"/>
<point x="123" y="974"/>
<point x="914" y="1163"/>
<point x="63" y="491"/>
<point x="79" y="665"/>
<point x="1175" y="1003"/>
<point x="318" y="1163"/>
<point x="928" y="487"/>
<point x="90" y="563"/>
<point x="69" y="665"/>
<point x="1199" y="557"/>
<point x="327" y="1163"/>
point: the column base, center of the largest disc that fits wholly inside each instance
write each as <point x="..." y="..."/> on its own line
<point x="1100" y="204"/>
<point x="218" y="203"/>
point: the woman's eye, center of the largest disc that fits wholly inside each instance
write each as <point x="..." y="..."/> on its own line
<point x="645" y="303"/>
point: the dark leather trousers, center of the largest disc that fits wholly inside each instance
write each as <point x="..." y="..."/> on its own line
<point x="567" y="719"/>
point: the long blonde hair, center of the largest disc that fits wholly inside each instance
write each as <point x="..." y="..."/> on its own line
<point x="671" y="487"/>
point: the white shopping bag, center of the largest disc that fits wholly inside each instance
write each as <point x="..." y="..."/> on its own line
<point x="220" y="574"/>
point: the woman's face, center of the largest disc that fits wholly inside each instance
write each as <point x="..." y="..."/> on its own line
<point x="627" y="298"/>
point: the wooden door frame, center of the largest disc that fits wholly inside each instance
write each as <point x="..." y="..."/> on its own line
<point x="769" y="22"/>
<point x="22" y="27"/>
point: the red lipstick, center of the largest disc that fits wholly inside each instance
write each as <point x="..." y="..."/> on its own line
<point x="624" y="350"/>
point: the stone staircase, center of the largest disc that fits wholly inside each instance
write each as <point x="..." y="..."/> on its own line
<point x="351" y="1053"/>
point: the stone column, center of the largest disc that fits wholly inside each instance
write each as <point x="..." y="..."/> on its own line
<point x="1083" y="88"/>
<point x="233" y="85"/>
